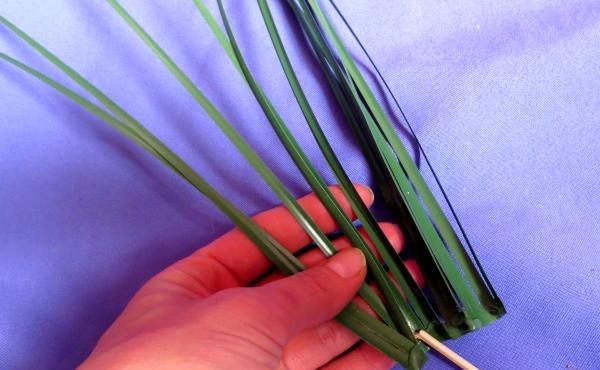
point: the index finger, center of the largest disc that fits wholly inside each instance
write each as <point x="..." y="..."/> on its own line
<point x="234" y="260"/>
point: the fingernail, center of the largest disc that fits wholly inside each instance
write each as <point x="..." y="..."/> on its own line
<point x="371" y="198"/>
<point x="347" y="263"/>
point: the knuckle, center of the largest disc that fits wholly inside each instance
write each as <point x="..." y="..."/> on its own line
<point x="328" y="334"/>
<point x="315" y="283"/>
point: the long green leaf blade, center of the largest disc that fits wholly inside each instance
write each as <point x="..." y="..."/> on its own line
<point x="414" y="174"/>
<point x="400" y="311"/>
<point x="290" y="202"/>
<point x="281" y="256"/>
<point x="346" y="90"/>
<point x="446" y="226"/>
<point x="253" y="158"/>
<point x="414" y="295"/>
<point x="410" y="355"/>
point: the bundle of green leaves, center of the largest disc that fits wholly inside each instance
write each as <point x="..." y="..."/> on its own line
<point x="459" y="297"/>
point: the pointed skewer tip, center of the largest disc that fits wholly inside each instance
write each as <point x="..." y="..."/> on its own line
<point x="444" y="350"/>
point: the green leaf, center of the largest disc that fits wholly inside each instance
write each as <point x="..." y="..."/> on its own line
<point x="400" y="312"/>
<point x="368" y="328"/>
<point x="394" y="166"/>
<point x="251" y="156"/>
<point x="280" y="256"/>
<point x="495" y="303"/>
<point x="461" y="290"/>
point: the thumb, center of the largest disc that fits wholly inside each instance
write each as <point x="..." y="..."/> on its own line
<point x="311" y="297"/>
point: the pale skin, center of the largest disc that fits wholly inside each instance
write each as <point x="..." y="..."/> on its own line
<point x="219" y="308"/>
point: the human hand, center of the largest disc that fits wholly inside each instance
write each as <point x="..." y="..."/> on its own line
<point x="199" y="313"/>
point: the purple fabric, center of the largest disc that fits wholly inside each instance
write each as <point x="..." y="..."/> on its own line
<point x="504" y="96"/>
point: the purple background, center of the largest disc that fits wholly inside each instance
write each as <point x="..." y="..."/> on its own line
<point x="504" y="96"/>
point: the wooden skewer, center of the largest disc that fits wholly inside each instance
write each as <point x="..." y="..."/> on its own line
<point x="426" y="338"/>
